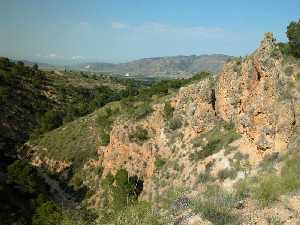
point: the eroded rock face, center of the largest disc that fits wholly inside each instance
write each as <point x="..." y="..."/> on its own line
<point x="138" y="158"/>
<point x="195" y="106"/>
<point x="192" y="106"/>
<point x="250" y="92"/>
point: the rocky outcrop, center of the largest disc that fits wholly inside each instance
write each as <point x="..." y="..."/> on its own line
<point x="251" y="92"/>
<point x="195" y="106"/>
<point x="138" y="158"/>
<point x="192" y="106"/>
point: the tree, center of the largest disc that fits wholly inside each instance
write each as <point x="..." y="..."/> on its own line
<point x="47" y="214"/>
<point x="293" y="34"/>
<point x="35" y="67"/>
<point x="23" y="175"/>
<point x="51" y="120"/>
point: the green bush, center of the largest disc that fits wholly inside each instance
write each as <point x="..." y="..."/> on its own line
<point x="139" y="214"/>
<point x="268" y="189"/>
<point x="50" y="120"/>
<point x="227" y="173"/>
<point x="274" y="220"/>
<point x="201" y="76"/>
<point x="289" y="71"/>
<point x="293" y="34"/>
<point x="47" y="214"/>
<point x="268" y="186"/>
<point x="139" y="135"/>
<point x="175" y="123"/>
<point x="216" y="141"/>
<point x="122" y="189"/>
<point x="269" y="161"/>
<point x="243" y="189"/>
<point x="217" y="206"/>
<point x="142" y="110"/>
<point x="290" y="174"/>
<point x="105" y="139"/>
<point x="159" y="162"/>
<point x="104" y="119"/>
<point x="168" y="110"/>
<point x="23" y="175"/>
<point x="284" y="48"/>
<point x="205" y="177"/>
<point x="297" y="77"/>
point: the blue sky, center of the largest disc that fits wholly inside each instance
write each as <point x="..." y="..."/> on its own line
<point x="69" y="31"/>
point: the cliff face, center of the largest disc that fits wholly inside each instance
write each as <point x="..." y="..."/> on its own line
<point x="216" y="125"/>
<point x="251" y="92"/>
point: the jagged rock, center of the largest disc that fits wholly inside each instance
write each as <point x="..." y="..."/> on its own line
<point x="194" y="104"/>
<point x="250" y="93"/>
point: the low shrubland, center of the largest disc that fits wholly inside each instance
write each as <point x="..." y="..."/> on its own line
<point x="218" y="138"/>
<point x="139" y="135"/>
<point x="269" y="185"/>
<point x="216" y="206"/>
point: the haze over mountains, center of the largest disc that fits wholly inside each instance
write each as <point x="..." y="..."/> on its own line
<point x="170" y="66"/>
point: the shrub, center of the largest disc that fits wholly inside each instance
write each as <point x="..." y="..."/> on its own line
<point x="23" y="175"/>
<point x="284" y="48"/>
<point x="202" y="75"/>
<point x="290" y="174"/>
<point x="216" y="141"/>
<point x="293" y="34"/>
<point x="268" y="186"/>
<point x="104" y="119"/>
<point x="139" y="214"/>
<point x="139" y="135"/>
<point x="268" y="161"/>
<point x="216" y="206"/>
<point x="142" y="110"/>
<point x="268" y="189"/>
<point x="47" y="214"/>
<point x="297" y="76"/>
<point x="51" y="120"/>
<point x="274" y="220"/>
<point x="124" y="189"/>
<point x="289" y="71"/>
<point x="166" y="199"/>
<point x="242" y="189"/>
<point x="205" y="177"/>
<point x="159" y="162"/>
<point x="105" y="139"/>
<point x="175" y="124"/>
<point x="227" y="173"/>
<point x="168" y="110"/>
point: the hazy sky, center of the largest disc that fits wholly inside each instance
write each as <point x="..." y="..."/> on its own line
<point x="66" y="31"/>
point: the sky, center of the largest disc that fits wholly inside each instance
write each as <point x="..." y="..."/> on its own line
<point x="72" y="31"/>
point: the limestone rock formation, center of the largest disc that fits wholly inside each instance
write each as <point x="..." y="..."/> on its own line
<point x="248" y="106"/>
<point x="251" y="92"/>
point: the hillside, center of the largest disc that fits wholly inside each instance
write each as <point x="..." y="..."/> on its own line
<point x="168" y="67"/>
<point x="217" y="151"/>
<point x="28" y="93"/>
<point x="34" y="102"/>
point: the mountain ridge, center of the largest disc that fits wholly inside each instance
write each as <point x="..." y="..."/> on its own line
<point x="166" y="66"/>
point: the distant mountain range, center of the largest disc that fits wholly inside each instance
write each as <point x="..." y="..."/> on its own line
<point x="168" y="67"/>
<point x="173" y="66"/>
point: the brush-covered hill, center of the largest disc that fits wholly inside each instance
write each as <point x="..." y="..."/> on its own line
<point x="30" y="98"/>
<point x="34" y="102"/>
<point x="167" y="67"/>
<point x="219" y="150"/>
